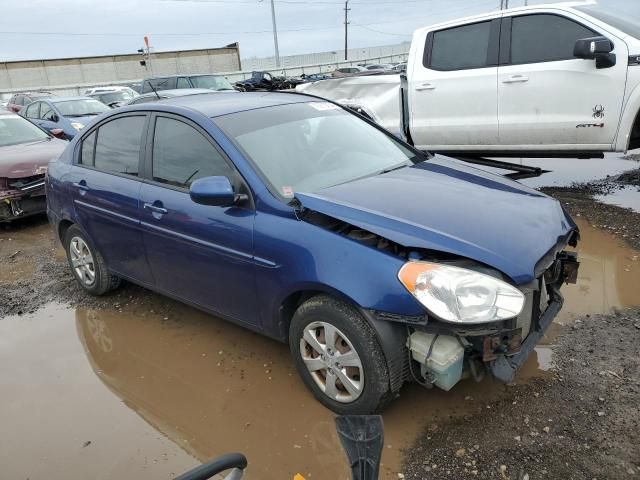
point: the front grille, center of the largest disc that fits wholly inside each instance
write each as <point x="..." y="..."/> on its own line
<point x="27" y="184"/>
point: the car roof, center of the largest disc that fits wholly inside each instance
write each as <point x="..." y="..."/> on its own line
<point x="176" y="92"/>
<point x="217" y="104"/>
<point x="66" y="99"/>
<point x="185" y="75"/>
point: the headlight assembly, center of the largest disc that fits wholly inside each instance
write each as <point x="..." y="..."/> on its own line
<point x="459" y="295"/>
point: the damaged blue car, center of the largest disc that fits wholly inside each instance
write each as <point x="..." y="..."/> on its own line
<point x="289" y="215"/>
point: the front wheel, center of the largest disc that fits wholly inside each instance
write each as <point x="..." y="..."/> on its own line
<point x="87" y="265"/>
<point x="339" y="358"/>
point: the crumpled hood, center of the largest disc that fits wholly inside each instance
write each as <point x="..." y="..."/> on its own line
<point x="27" y="159"/>
<point x="445" y="205"/>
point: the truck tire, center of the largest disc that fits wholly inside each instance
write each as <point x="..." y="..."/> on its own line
<point x="339" y="358"/>
<point x="87" y="265"/>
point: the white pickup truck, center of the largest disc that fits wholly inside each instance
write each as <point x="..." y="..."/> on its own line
<point x="547" y="80"/>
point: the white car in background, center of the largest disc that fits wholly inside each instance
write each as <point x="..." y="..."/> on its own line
<point x="545" y="80"/>
<point x="113" y="96"/>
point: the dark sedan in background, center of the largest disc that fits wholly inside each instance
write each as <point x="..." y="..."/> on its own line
<point x="69" y="114"/>
<point x="25" y="151"/>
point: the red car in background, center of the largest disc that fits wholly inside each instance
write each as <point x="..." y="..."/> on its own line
<point x="25" y="151"/>
<point x="20" y="100"/>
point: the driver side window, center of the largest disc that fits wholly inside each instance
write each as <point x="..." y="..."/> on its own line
<point x="181" y="154"/>
<point x="47" y="113"/>
<point x="32" y="111"/>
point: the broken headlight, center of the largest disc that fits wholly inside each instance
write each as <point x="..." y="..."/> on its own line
<point x="459" y="295"/>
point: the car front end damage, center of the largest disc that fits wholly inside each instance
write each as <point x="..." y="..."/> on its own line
<point x="23" y="196"/>
<point x="442" y="353"/>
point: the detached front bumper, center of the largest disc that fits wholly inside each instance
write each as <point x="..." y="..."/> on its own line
<point x="22" y="197"/>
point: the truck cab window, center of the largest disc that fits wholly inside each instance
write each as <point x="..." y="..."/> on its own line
<point x="460" y="48"/>
<point x="545" y="38"/>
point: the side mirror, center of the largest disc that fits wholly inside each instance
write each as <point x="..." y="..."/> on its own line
<point x="54" y="118"/>
<point x="215" y="191"/>
<point x="598" y="48"/>
<point x="57" y="132"/>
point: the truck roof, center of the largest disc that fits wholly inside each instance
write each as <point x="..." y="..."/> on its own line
<point x="494" y="13"/>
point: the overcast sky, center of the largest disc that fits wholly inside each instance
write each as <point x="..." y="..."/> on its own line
<point x="38" y="29"/>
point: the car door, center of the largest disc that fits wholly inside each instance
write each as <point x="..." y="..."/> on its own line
<point x="32" y="112"/>
<point x="199" y="253"/>
<point x="105" y="188"/>
<point x="547" y="98"/>
<point x="452" y="88"/>
<point x="48" y="118"/>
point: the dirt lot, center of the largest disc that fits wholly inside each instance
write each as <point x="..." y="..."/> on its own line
<point x="134" y="385"/>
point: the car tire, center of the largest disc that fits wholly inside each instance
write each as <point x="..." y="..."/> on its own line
<point x="87" y="265"/>
<point x="364" y="369"/>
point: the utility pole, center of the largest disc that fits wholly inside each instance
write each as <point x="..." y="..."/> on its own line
<point x="346" y="27"/>
<point x="275" y="33"/>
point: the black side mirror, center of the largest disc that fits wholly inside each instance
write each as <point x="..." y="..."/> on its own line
<point x="214" y="191"/>
<point x="598" y="48"/>
<point x="54" y="118"/>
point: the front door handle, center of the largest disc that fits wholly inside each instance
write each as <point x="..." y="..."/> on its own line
<point x="155" y="208"/>
<point x="425" y="86"/>
<point x="516" y="79"/>
<point x="81" y="185"/>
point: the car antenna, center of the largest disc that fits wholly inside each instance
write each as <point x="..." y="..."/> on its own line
<point x="154" y="90"/>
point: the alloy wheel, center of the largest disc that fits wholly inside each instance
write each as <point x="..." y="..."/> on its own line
<point x="332" y="361"/>
<point x="82" y="261"/>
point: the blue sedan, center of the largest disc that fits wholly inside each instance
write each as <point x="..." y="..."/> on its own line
<point x="68" y="114"/>
<point x="296" y="218"/>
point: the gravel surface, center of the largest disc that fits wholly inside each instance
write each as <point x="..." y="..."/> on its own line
<point x="581" y="423"/>
<point x="578" y="200"/>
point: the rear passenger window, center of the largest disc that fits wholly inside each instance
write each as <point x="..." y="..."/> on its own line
<point x="118" y="145"/>
<point x="461" y="48"/>
<point x="88" y="148"/>
<point x="181" y="155"/>
<point x="545" y="38"/>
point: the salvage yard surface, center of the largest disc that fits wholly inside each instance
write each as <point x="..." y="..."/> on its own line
<point x="134" y="385"/>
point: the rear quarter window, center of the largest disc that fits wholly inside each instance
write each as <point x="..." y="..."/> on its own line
<point x="117" y="146"/>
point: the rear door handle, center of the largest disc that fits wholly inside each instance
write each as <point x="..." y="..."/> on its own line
<point x="425" y="86"/>
<point x="516" y="79"/>
<point x="155" y="208"/>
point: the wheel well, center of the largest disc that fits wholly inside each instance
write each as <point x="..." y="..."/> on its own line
<point x="634" y="141"/>
<point x="289" y="307"/>
<point x="63" y="226"/>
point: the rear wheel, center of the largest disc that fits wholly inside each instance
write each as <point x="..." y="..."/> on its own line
<point x="87" y="264"/>
<point x="338" y="356"/>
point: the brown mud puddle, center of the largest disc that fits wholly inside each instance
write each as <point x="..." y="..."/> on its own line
<point x="157" y="393"/>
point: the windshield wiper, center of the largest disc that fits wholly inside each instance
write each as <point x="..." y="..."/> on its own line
<point x="391" y="169"/>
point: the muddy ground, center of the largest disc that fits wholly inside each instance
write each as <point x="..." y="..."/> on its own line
<point x="182" y="386"/>
<point x="582" y="422"/>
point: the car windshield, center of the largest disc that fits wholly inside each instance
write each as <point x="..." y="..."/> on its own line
<point x="113" y="97"/>
<point x="15" y="130"/>
<point x="81" y="108"/>
<point x="306" y="147"/>
<point x="212" y="82"/>
<point x="620" y="20"/>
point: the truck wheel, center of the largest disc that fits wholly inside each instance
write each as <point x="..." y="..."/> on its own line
<point x="339" y="358"/>
<point x="87" y="264"/>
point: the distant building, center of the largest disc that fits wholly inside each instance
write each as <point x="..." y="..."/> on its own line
<point x="72" y="75"/>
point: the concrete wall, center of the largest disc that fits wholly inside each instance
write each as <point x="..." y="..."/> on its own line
<point x="353" y="55"/>
<point x="70" y="76"/>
